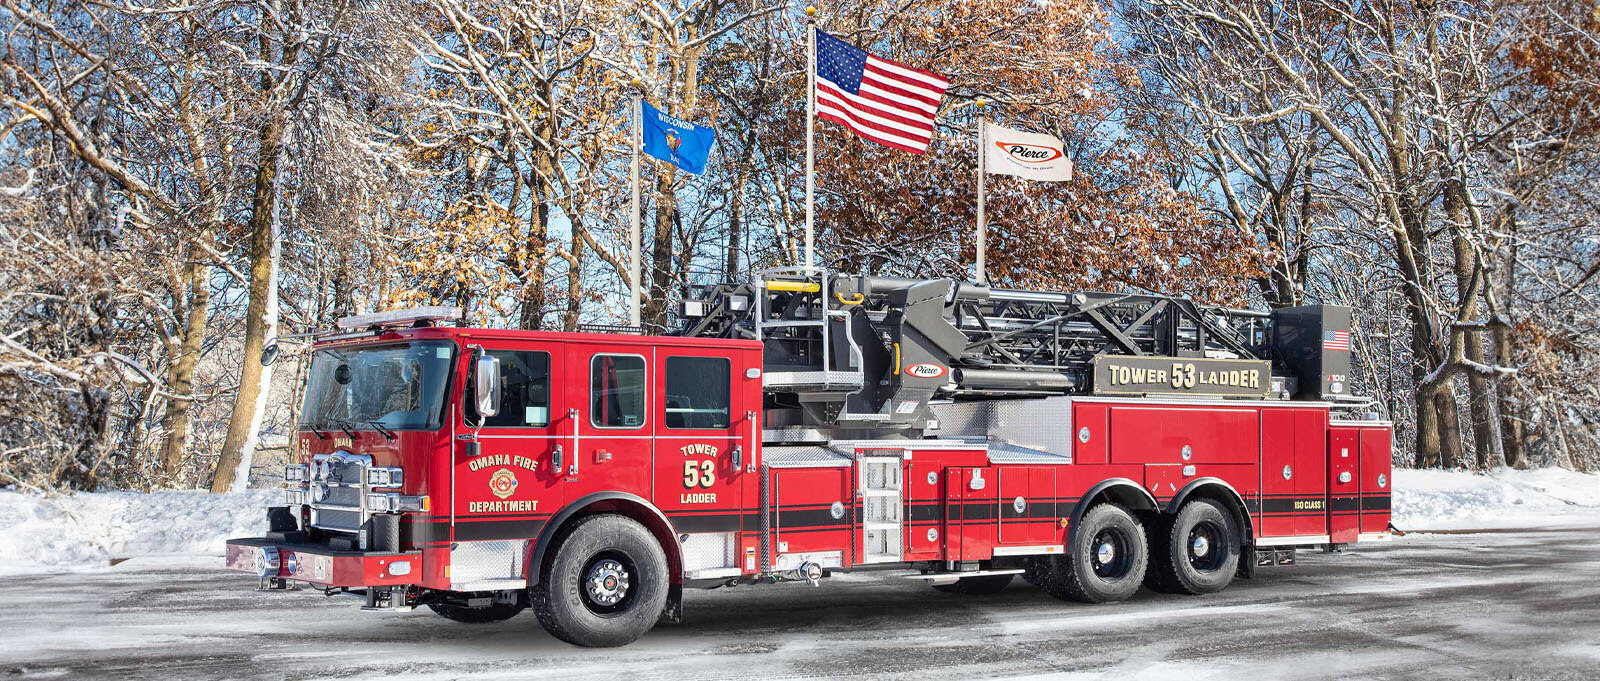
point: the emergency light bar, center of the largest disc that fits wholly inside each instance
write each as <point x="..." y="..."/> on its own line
<point x="408" y="316"/>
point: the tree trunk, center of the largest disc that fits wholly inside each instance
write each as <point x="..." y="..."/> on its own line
<point x="533" y="293"/>
<point x="1481" y="406"/>
<point x="1444" y="400"/>
<point x="1513" y="412"/>
<point x="249" y="402"/>
<point x="736" y="205"/>
<point x="655" y="303"/>
<point x="1427" y="455"/>
<point x="569" y="321"/>
<point x="180" y="375"/>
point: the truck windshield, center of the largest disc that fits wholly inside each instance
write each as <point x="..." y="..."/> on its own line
<point x="400" y="387"/>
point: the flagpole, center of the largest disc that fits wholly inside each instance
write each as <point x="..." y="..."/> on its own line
<point x="983" y="168"/>
<point x="811" y="115"/>
<point x="633" y="207"/>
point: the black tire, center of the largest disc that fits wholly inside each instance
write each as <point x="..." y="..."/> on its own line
<point x="606" y="586"/>
<point x="977" y="586"/>
<point x="1195" y="551"/>
<point x="1106" y="561"/>
<point x="499" y="612"/>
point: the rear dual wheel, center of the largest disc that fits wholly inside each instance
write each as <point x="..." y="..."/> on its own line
<point x="1106" y="562"/>
<point x="1195" y="551"/>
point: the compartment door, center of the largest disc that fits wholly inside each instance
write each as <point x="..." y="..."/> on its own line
<point x="1311" y="472"/>
<point x="1344" y="484"/>
<point x="1376" y="460"/>
<point x="924" y="512"/>
<point x="1277" y="473"/>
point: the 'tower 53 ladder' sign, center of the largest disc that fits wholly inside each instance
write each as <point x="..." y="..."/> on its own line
<point x="1121" y="375"/>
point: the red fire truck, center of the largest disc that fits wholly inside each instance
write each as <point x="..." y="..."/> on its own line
<point x="810" y="422"/>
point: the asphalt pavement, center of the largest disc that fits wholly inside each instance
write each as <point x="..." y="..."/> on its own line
<point x="1499" y="605"/>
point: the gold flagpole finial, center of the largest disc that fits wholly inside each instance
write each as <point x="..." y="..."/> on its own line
<point x="811" y="11"/>
<point x="981" y="102"/>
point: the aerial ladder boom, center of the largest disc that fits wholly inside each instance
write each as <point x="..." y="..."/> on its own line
<point x="866" y="354"/>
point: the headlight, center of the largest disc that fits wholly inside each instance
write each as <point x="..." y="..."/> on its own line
<point x="379" y="503"/>
<point x="385" y="477"/>
<point x="296" y="472"/>
<point x="395" y="503"/>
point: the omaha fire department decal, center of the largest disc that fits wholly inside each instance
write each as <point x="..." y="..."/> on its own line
<point x="503" y="483"/>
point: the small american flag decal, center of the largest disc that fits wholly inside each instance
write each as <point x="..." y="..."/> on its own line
<point x="1336" y="340"/>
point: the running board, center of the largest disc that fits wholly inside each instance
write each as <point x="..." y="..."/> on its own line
<point x="953" y="576"/>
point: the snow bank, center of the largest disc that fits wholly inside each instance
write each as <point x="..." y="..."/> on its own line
<point x="1503" y="498"/>
<point x="88" y="529"/>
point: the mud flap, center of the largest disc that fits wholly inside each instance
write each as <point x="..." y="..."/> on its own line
<point x="672" y="613"/>
<point x="1247" y="568"/>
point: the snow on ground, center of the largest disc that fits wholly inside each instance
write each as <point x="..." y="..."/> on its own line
<point x="1501" y="499"/>
<point x="90" y="529"/>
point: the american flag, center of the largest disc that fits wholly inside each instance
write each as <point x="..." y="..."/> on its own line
<point x="889" y="103"/>
<point x="1336" y="340"/>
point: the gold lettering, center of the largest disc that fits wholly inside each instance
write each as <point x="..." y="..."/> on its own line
<point x="510" y="506"/>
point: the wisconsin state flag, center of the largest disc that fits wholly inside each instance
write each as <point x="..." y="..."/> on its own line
<point x="676" y="141"/>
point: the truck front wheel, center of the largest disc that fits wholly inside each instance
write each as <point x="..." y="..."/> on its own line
<point x="1196" y="551"/>
<point x="1107" y="558"/>
<point x="606" y="586"/>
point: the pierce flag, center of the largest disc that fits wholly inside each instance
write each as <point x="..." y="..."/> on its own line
<point x="1028" y="155"/>
<point x="676" y="141"/>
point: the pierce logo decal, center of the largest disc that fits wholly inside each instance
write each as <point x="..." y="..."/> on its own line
<point x="926" y="370"/>
<point x="503" y="483"/>
<point x="1029" y="153"/>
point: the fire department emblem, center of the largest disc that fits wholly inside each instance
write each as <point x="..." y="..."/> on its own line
<point x="503" y="483"/>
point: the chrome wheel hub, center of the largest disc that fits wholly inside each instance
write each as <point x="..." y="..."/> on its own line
<point x="1105" y="553"/>
<point x="606" y="583"/>
<point x="1200" y="546"/>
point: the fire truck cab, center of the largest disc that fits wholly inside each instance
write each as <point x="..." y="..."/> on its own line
<point x="593" y="477"/>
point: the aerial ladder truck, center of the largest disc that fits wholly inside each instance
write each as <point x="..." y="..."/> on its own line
<point x="807" y="423"/>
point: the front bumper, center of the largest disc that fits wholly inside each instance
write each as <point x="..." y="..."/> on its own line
<point x="322" y="565"/>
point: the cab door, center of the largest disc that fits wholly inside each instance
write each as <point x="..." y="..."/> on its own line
<point x="506" y="484"/>
<point x="609" y="422"/>
<point x="703" y="450"/>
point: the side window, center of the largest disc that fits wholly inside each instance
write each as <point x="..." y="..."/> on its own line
<point x="524" y="391"/>
<point x="616" y="391"/>
<point x="697" y="392"/>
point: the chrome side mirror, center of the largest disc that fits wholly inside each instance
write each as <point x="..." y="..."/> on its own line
<point x="486" y="390"/>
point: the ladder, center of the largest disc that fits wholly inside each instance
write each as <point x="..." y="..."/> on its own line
<point x="880" y="484"/>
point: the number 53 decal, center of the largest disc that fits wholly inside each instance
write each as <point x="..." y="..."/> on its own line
<point x="701" y="473"/>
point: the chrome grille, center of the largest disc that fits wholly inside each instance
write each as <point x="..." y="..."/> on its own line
<point x="333" y="519"/>
<point x="339" y="491"/>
